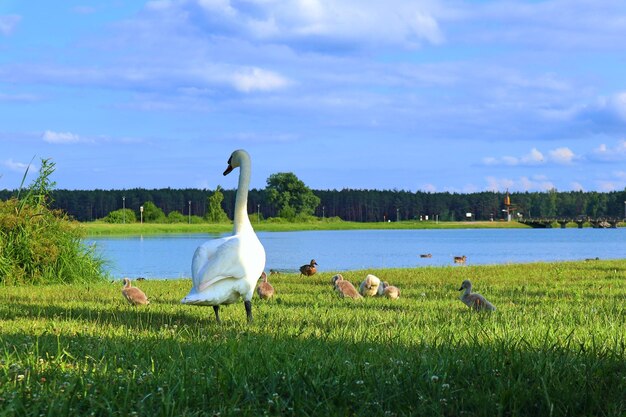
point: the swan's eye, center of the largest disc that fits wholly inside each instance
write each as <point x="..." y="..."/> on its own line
<point x="230" y="160"/>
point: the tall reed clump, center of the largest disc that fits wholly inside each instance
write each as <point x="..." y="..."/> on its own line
<point x="39" y="245"/>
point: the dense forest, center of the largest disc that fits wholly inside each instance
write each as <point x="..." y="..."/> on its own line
<point x="351" y="205"/>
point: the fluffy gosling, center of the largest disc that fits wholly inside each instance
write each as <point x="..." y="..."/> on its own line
<point x="389" y="291"/>
<point x="265" y="289"/>
<point x="345" y="288"/>
<point x="133" y="294"/>
<point x="474" y="300"/>
<point x="370" y="286"/>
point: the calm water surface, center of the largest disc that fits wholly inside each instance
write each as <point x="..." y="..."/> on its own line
<point x="169" y="256"/>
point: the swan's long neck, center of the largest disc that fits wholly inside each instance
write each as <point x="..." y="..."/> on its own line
<point x="241" y="220"/>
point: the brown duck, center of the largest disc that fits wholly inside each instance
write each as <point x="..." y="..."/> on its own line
<point x="309" y="269"/>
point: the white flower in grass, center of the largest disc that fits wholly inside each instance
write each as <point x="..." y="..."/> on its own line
<point x="434" y="378"/>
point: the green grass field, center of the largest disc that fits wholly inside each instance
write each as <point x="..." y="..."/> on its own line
<point x="101" y="228"/>
<point x="555" y="346"/>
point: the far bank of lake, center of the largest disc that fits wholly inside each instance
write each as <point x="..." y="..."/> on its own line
<point x="100" y="228"/>
<point x="169" y="255"/>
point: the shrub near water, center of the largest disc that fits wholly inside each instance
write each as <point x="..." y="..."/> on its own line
<point x="121" y="216"/>
<point x="40" y="245"/>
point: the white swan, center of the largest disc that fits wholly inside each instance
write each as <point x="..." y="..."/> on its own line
<point x="224" y="270"/>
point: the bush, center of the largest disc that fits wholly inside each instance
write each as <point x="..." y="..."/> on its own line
<point x="288" y="213"/>
<point x="177" y="217"/>
<point x="306" y="218"/>
<point x="121" y="216"/>
<point x="197" y="220"/>
<point x="335" y="219"/>
<point x="40" y="245"/>
<point x="278" y="220"/>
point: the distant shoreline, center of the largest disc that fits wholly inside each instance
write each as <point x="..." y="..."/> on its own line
<point x="106" y="229"/>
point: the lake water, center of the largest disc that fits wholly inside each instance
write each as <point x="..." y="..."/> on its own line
<point x="169" y="256"/>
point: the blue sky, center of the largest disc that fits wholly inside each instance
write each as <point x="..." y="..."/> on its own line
<point x="459" y="96"/>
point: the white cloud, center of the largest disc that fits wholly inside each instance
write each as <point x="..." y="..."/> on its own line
<point x="607" y="114"/>
<point x="607" y="186"/>
<point x="556" y="25"/>
<point x="576" y="186"/>
<point x="510" y="160"/>
<point x="15" y="166"/>
<point x="562" y="155"/>
<point x="470" y="188"/>
<point x="536" y="183"/>
<point x="498" y="184"/>
<point x="155" y="76"/>
<point x="608" y="154"/>
<point x="616" y="181"/>
<point x="257" y="79"/>
<point x="310" y="23"/>
<point x="490" y="160"/>
<point x="534" y="157"/>
<point x="60" y="137"/>
<point x="429" y="188"/>
<point x="617" y="104"/>
<point x="8" y="23"/>
<point x="18" y="97"/>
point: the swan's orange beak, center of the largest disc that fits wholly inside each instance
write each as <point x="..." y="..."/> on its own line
<point x="230" y="168"/>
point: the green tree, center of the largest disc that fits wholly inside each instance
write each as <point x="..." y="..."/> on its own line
<point x="288" y="194"/>
<point x="215" y="212"/>
<point x="152" y="214"/>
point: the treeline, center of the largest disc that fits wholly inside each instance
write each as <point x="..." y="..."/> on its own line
<point x="350" y="205"/>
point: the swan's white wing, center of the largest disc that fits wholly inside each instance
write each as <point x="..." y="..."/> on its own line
<point x="204" y="252"/>
<point x="224" y="262"/>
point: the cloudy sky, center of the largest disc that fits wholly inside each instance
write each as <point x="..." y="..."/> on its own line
<point x="430" y="95"/>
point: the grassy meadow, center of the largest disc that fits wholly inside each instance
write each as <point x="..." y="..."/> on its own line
<point x="556" y="346"/>
<point x="102" y="228"/>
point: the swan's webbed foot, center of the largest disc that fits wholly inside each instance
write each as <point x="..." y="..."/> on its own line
<point x="248" y="305"/>
<point x="217" y="314"/>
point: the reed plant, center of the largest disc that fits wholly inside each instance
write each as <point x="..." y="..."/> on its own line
<point x="40" y="245"/>
<point x="556" y="346"/>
